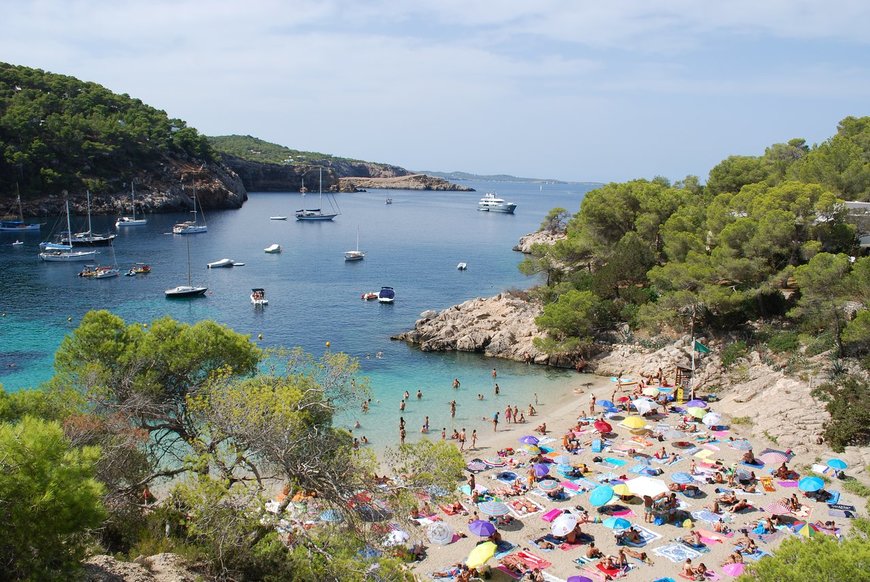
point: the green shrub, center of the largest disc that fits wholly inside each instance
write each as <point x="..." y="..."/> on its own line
<point x="847" y="399"/>
<point x="784" y="341"/>
<point x="820" y="558"/>
<point x="741" y="421"/>
<point x="733" y="352"/>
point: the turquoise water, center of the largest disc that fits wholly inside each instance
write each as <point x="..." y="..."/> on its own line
<point x="412" y="245"/>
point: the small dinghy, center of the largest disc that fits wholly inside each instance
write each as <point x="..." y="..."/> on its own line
<point x="277" y="218"/>
<point x="462" y="266"/>
<point x="272" y="249"/>
<point x="225" y="263"/>
<point x="258" y="297"/>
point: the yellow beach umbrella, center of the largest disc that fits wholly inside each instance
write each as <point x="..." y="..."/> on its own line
<point x="621" y="489"/>
<point x="480" y="555"/>
<point x="634" y="422"/>
<point x="651" y="391"/>
<point x="531" y="449"/>
<point x="696" y="412"/>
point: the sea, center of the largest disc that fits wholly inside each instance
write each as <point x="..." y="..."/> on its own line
<point x="413" y="245"/>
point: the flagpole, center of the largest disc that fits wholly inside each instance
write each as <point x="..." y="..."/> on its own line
<point x="692" y="377"/>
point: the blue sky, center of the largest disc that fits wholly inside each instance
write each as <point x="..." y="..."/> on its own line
<point x="590" y="90"/>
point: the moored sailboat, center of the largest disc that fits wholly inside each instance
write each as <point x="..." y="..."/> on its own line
<point x="189" y="290"/>
<point x="64" y="253"/>
<point x="191" y="226"/>
<point x="19" y="225"/>
<point x="317" y="213"/>
<point x="125" y="221"/>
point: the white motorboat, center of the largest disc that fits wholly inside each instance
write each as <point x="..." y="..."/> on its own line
<point x="491" y="203"/>
<point x="224" y="263"/>
<point x="17" y="243"/>
<point x="125" y="221"/>
<point x="277" y="218"/>
<point x="258" y="297"/>
<point x="191" y="226"/>
<point x="386" y="295"/>
<point x="273" y="249"/>
<point x="462" y="266"/>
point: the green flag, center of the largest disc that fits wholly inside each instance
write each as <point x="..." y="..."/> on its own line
<point x="701" y="348"/>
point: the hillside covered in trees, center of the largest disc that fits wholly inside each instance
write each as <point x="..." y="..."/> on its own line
<point x="59" y="133"/>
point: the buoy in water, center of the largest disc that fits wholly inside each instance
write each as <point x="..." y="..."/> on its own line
<point x="327" y="344"/>
<point x="69" y="318"/>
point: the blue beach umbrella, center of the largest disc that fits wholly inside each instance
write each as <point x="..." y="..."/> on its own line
<point x="606" y="404"/>
<point x="601" y="495"/>
<point x="811" y="484"/>
<point x="681" y="478"/>
<point x="541" y="469"/>
<point x="616" y="523"/>
<point x="529" y="440"/>
<point x="838" y="464"/>
<point x="493" y="508"/>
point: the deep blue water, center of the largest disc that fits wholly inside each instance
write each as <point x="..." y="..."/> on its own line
<point x="412" y="245"/>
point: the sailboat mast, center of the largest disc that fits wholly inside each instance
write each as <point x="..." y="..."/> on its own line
<point x="320" y="187"/>
<point x="68" y="226"/>
<point x="188" y="262"/>
<point x="90" y="232"/>
<point x="133" y="199"/>
<point x="20" y="208"/>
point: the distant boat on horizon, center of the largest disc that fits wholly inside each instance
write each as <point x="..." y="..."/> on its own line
<point x="491" y="203"/>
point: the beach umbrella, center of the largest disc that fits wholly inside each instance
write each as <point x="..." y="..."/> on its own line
<point x="529" y="440"/>
<point x="372" y="513"/>
<point x="440" y="533"/>
<point x="672" y="434"/>
<point x="621" y="489"/>
<point x="531" y="449"/>
<point x="805" y="530"/>
<point x="480" y="555"/>
<point x="776" y="508"/>
<point x="734" y="569"/>
<point x="563" y="524"/>
<point x="643" y="405"/>
<point x="811" y="484"/>
<point x="578" y="579"/>
<point x="682" y="445"/>
<point x="682" y="478"/>
<point x="641" y="486"/>
<point x="617" y="523"/>
<point x="623" y="399"/>
<point x="397" y="537"/>
<point x="476" y="466"/>
<point x="493" y="508"/>
<point x="481" y="528"/>
<point x="838" y="464"/>
<point x="606" y="404"/>
<point x="602" y="427"/>
<point x="548" y="485"/>
<point x="741" y="445"/>
<point x="696" y="404"/>
<point x="696" y="411"/>
<point x="331" y="516"/>
<point x="651" y="391"/>
<point x="494" y="461"/>
<point x="601" y="495"/>
<point x="743" y="475"/>
<point x="773" y="458"/>
<point x="541" y="469"/>
<point x="507" y="476"/>
<point x="634" y="422"/>
<point x="712" y="419"/>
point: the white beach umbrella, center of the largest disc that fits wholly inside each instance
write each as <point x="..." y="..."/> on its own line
<point x="563" y="524"/>
<point x="712" y="419"/>
<point x="397" y="537"/>
<point x="641" y="486"/>
<point x="440" y="533"/>
<point x="643" y="405"/>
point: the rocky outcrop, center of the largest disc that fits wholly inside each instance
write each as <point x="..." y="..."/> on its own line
<point x="502" y="326"/>
<point x="407" y="182"/>
<point x="542" y="237"/>
<point x="168" y="188"/>
<point x="158" y="568"/>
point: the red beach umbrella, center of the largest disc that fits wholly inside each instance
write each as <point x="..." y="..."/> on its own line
<point x="602" y="427"/>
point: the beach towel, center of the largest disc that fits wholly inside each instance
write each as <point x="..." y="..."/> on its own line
<point x="787" y="483"/>
<point x="570" y="485"/>
<point x="706" y="515"/>
<point x="613" y="461"/>
<point x="756" y="555"/>
<point x="548" y="538"/>
<point x="834" y="498"/>
<point x="841" y="513"/>
<point x="550" y="578"/>
<point x="664" y="580"/>
<point x="612" y="572"/>
<point x="510" y="573"/>
<point x="676" y="553"/>
<point x="551" y="515"/>
<point x="767" y="483"/>
<point x="702" y="549"/>
<point x="705" y="454"/>
<point x="585" y="484"/>
<point x="711" y="447"/>
<point x="753" y="465"/>
<point x="596" y="446"/>
<point x="821" y="469"/>
<point x="426" y="520"/>
<point x="453" y="572"/>
<point x="517" y="509"/>
<point x="583" y="560"/>
<point x="715" y="536"/>
<point x="646" y="534"/>
<point x="506" y="477"/>
<point x="450" y="511"/>
<point x="641" y="441"/>
<point x="623" y="513"/>
<point x="503" y="548"/>
<point x="532" y="561"/>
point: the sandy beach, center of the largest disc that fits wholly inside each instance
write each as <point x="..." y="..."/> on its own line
<point x="666" y="555"/>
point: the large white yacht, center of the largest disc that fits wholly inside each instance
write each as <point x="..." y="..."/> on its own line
<point x="491" y="203"/>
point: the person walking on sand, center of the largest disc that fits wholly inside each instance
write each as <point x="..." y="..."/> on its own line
<point x="592" y="406"/>
<point x="495" y="422"/>
<point x="474" y="439"/>
<point x="452" y="409"/>
<point x="462" y="439"/>
<point x="508" y="412"/>
<point x="516" y="413"/>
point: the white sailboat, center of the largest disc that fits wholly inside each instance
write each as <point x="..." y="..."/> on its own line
<point x="87" y="238"/>
<point x="317" y="213"/>
<point x="355" y="255"/>
<point x="185" y="291"/>
<point x="64" y="253"/>
<point x="191" y="226"/>
<point x="131" y="220"/>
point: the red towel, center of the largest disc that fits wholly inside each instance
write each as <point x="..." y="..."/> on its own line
<point x="533" y="561"/>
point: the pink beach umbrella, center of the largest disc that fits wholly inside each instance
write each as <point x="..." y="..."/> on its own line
<point x="773" y="458"/>
<point x="734" y="569"/>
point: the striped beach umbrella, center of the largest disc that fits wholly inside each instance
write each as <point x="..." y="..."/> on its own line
<point x="805" y="530"/>
<point x="440" y="533"/>
<point x="494" y="461"/>
<point x="548" y="485"/>
<point x="682" y="477"/>
<point x="493" y="508"/>
<point x="773" y="458"/>
<point x="712" y="419"/>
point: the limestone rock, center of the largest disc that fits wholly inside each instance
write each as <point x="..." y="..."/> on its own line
<point x="545" y="237"/>
<point x="157" y="568"/>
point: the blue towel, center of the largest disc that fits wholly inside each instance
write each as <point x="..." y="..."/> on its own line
<point x="596" y="446"/>
<point x="835" y="497"/>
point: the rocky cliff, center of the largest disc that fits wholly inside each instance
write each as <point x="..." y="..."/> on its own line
<point x="405" y="182"/>
<point x="542" y="237"/>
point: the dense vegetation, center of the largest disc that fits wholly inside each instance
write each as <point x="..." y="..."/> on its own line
<point x="766" y="240"/>
<point x="132" y="406"/>
<point x="57" y="132"/>
<point x="257" y="150"/>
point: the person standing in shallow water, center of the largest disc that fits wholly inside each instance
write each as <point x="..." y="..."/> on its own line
<point x="495" y="422"/>
<point x="456" y="383"/>
<point x="452" y="409"/>
<point x="497" y="389"/>
<point x="494" y="374"/>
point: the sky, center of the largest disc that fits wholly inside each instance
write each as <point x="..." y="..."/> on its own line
<point x="585" y="90"/>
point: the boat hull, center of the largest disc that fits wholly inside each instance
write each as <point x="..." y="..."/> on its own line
<point x="67" y="256"/>
<point x="315" y="217"/>
<point x="15" y="226"/>
<point x="185" y="291"/>
<point x="352" y="256"/>
<point x="124" y="222"/>
<point x="221" y="264"/>
<point x="189" y="229"/>
<point x="94" y="240"/>
<point x="273" y="249"/>
<point x="504" y="209"/>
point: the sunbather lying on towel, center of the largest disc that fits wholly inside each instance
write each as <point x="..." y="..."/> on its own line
<point x="631" y="535"/>
<point x="693" y="538"/>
